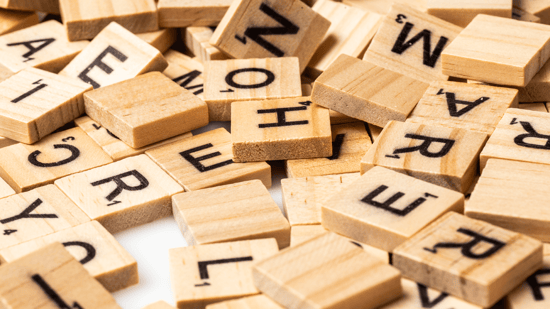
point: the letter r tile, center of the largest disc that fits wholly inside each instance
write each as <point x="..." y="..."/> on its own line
<point x="124" y="194"/>
<point x="470" y="259"/>
<point x="443" y="156"/>
<point x="521" y="135"/>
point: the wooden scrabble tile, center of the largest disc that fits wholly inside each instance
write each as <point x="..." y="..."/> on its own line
<point x="84" y="19"/>
<point x="417" y="295"/>
<point x="443" y="156"/>
<point x="96" y="249"/>
<point x="46" y="6"/>
<point x="44" y="46"/>
<point x="140" y="115"/>
<point x="5" y="189"/>
<point x="197" y="41"/>
<point x="206" y="160"/>
<point x="461" y="13"/>
<point x="112" y="145"/>
<point x="303" y="197"/>
<point x="531" y="293"/>
<point x="161" y="39"/>
<point x="351" y="278"/>
<point x="25" y="167"/>
<point x="520" y="14"/>
<point x="397" y="46"/>
<point x="350" y="142"/>
<point x="367" y="92"/>
<point x="35" y="103"/>
<point x="350" y="32"/>
<point x="239" y="211"/>
<point x="470" y="259"/>
<point x="511" y="54"/>
<point x="502" y="187"/>
<point x="191" y="13"/>
<point x="467" y="106"/>
<point x="206" y="274"/>
<point x="247" y="80"/>
<point x="521" y="135"/>
<point x="11" y="20"/>
<point x="294" y="30"/>
<point x="159" y="305"/>
<point x="384" y="208"/>
<point x="374" y="131"/>
<point x="540" y="9"/>
<point x="251" y="302"/>
<point x="128" y="56"/>
<point x="51" y="278"/>
<point x="185" y="71"/>
<point x="123" y="194"/>
<point x="280" y="130"/>
<point x="36" y="213"/>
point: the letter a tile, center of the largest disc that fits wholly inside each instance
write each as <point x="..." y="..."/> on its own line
<point x="34" y="103"/>
<point x="280" y="130"/>
<point x="207" y="274"/>
<point x="410" y="42"/>
<point x="206" y="160"/>
<point x="384" y="208"/>
<point x="123" y="194"/>
<point x="36" y="213"/>
<point x="443" y="156"/>
<point x="51" y="278"/>
<point x="470" y="259"/>
<point x="114" y="55"/>
<point x="521" y="135"/>
<point x="327" y="271"/>
<point x="270" y="28"/>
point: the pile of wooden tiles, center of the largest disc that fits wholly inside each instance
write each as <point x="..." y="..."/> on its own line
<point x="415" y="137"/>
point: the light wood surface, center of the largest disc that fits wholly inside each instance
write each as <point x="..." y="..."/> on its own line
<point x="351" y="30"/>
<point x="112" y="145"/>
<point x="384" y="208"/>
<point x="240" y="33"/>
<point x="350" y="142"/>
<point x="84" y="19"/>
<point x="51" y="278"/>
<point x="140" y="115"/>
<point x="206" y="274"/>
<point x="129" y="57"/>
<point x="96" y="249"/>
<point x="240" y="211"/>
<point x="124" y="194"/>
<point x="398" y="46"/>
<point x="467" y="106"/>
<point x="367" y="92"/>
<point x="303" y="197"/>
<point x="5" y="189"/>
<point x="44" y="46"/>
<point x="443" y="156"/>
<point x="25" y="167"/>
<point x="206" y="160"/>
<point x="511" y="54"/>
<point x="279" y="130"/>
<point x="185" y="71"/>
<point x="521" y="135"/>
<point x="461" y="12"/>
<point x="247" y="80"/>
<point x="327" y="272"/>
<point x="161" y="39"/>
<point x="159" y="305"/>
<point x="383" y="6"/>
<point x="251" y="302"/>
<point x="197" y="41"/>
<point x="191" y="13"/>
<point x="470" y="259"/>
<point x="36" y="213"/>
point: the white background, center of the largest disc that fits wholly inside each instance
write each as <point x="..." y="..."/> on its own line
<point x="149" y="245"/>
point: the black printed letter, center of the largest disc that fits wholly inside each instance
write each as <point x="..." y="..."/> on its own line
<point x="100" y="64"/>
<point x="187" y="78"/>
<point x="30" y="92"/>
<point x="90" y="250"/>
<point x="197" y="161"/>
<point x="536" y="285"/>
<point x="230" y="78"/>
<point x="31" y="48"/>
<point x="121" y="185"/>
<point x="452" y="102"/>
<point x="467" y="247"/>
<point x="336" y="146"/>
<point x="281" y="117"/>
<point x="52" y="294"/>
<point x="425" y="146"/>
<point x="75" y="153"/>
<point x="386" y="205"/>
<point x="27" y="213"/>
<point x="520" y="139"/>
<point x="425" y="298"/>
<point x="429" y="59"/>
